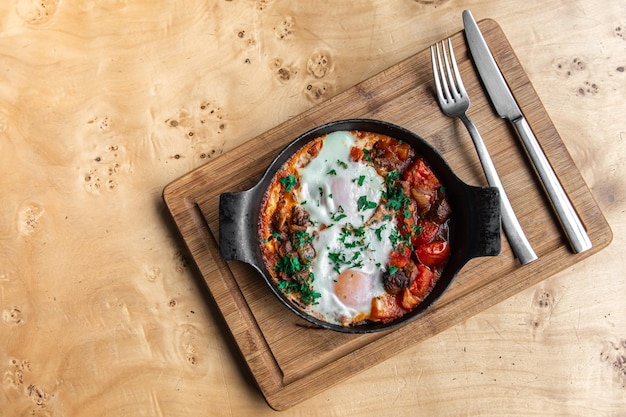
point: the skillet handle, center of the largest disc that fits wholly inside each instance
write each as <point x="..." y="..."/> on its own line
<point x="238" y="238"/>
<point x="484" y="222"/>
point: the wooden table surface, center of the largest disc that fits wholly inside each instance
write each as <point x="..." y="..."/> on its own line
<point x="105" y="102"/>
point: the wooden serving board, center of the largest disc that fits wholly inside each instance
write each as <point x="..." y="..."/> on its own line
<point x="292" y="361"/>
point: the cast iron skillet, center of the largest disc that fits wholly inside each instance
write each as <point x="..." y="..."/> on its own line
<point x="474" y="231"/>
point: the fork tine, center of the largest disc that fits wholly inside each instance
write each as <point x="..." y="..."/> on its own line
<point x="446" y="89"/>
<point x="434" y="62"/>
<point x="457" y="73"/>
<point x="434" y="65"/>
<point x="443" y="92"/>
<point x="449" y="72"/>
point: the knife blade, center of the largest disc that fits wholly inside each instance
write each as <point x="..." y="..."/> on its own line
<point x="507" y="108"/>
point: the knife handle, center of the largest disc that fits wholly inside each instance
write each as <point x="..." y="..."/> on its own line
<point x="574" y="229"/>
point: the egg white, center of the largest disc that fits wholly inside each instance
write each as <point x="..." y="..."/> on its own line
<point x="332" y="183"/>
<point x="344" y="237"/>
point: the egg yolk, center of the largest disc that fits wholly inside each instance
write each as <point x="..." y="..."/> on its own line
<point x="354" y="288"/>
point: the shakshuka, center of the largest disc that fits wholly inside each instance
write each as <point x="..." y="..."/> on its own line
<point x="354" y="227"/>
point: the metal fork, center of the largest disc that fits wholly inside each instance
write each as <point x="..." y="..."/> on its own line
<point x="454" y="102"/>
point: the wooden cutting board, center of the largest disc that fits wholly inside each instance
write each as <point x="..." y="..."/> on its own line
<point x="290" y="360"/>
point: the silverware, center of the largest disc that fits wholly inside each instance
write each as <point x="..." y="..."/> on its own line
<point x="454" y="102"/>
<point x="507" y="108"/>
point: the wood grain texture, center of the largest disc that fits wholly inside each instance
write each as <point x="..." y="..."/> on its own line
<point x="104" y="102"/>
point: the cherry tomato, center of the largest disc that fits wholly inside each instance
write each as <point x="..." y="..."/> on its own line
<point x="425" y="232"/>
<point x="356" y="154"/>
<point x="434" y="253"/>
<point x="315" y="149"/>
<point x="422" y="282"/>
<point x="409" y="300"/>
<point x="386" y="307"/>
<point x="403" y="150"/>
<point x="399" y="259"/>
<point x="422" y="177"/>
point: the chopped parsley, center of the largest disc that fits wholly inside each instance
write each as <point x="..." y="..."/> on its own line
<point x="364" y="204"/>
<point x="379" y="232"/>
<point x="340" y="259"/>
<point x="359" y="231"/>
<point x="399" y="241"/>
<point x="396" y="200"/>
<point x="366" y="155"/>
<point x="353" y="253"/>
<point x="289" y="265"/>
<point x="302" y="286"/>
<point x="289" y="182"/>
<point x="300" y="238"/>
<point x="274" y="235"/>
<point x="338" y="215"/>
<point x="298" y="282"/>
<point x="392" y="176"/>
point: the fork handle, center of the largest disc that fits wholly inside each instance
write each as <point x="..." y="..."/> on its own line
<point x="566" y="213"/>
<point x="514" y="232"/>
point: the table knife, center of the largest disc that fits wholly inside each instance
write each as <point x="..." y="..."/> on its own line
<point x="507" y="108"/>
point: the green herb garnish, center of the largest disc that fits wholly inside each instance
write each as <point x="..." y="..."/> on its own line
<point x="396" y="200"/>
<point x="364" y="204"/>
<point x="379" y="232"/>
<point x="304" y="287"/>
<point x="289" y="265"/>
<point x="366" y="155"/>
<point x="289" y="182"/>
<point x="300" y="238"/>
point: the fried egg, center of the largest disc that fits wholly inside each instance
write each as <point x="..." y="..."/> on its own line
<point x="351" y="248"/>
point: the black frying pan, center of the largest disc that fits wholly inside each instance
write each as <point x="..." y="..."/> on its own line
<point x="475" y="228"/>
